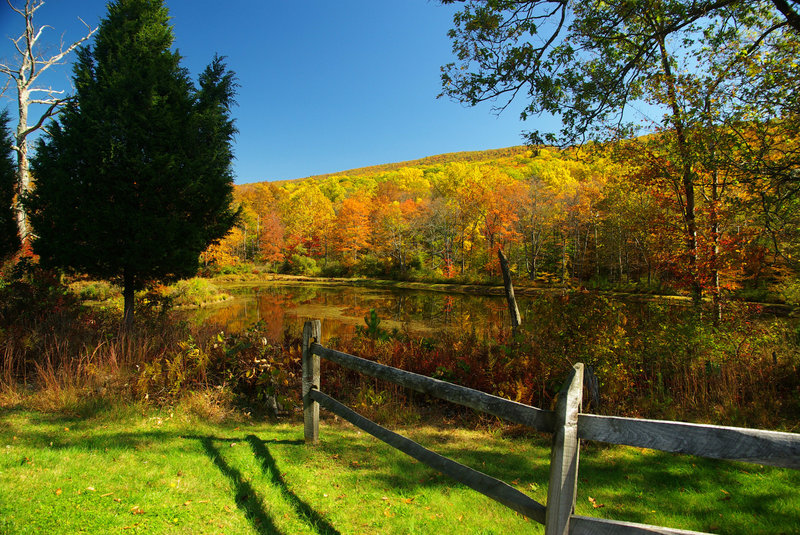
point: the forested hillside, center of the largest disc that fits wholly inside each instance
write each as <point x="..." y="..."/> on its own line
<point x="610" y="214"/>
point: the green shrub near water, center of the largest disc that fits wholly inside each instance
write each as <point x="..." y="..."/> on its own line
<point x="299" y="264"/>
<point x="94" y="290"/>
<point x="194" y="292"/>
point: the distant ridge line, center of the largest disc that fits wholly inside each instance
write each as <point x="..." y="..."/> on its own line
<point x="448" y="157"/>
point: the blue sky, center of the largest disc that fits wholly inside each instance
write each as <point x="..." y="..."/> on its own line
<point x="325" y="86"/>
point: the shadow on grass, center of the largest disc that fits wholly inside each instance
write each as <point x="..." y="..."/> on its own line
<point x="247" y="499"/>
<point x="697" y="493"/>
<point x="269" y="467"/>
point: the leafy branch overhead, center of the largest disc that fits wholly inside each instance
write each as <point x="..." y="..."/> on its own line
<point x="588" y="62"/>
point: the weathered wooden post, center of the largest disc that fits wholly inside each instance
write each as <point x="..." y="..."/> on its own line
<point x="312" y="332"/>
<point x="513" y="310"/>
<point x="564" y="456"/>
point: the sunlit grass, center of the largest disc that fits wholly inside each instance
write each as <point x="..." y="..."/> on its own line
<point x="101" y="470"/>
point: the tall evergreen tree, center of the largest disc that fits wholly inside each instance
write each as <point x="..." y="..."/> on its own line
<point x="134" y="181"/>
<point x="9" y="240"/>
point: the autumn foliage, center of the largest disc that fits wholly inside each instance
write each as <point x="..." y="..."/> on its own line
<point x="589" y="216"/>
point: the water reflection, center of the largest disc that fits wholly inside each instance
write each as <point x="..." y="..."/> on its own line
<point x="342" y="308"/>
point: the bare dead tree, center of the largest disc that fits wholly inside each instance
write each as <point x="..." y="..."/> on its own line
<point x="29" y="66"/>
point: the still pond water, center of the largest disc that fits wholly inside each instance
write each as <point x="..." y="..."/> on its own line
<point x="342" y="308"/>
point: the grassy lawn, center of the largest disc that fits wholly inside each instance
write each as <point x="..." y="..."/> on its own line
<point x="133" y="470"/>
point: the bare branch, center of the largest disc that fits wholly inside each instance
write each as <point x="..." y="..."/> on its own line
<point x="46" y="90"/>
<point x="15" y="9"/>
<point x="52" y="110"/>
<point x="31" y="65"/>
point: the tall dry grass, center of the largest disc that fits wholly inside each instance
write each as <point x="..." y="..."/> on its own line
<point x="56" y="348"/>
<point x="661" y="362"/>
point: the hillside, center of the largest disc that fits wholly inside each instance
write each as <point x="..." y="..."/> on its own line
<point x="439" y="159"/>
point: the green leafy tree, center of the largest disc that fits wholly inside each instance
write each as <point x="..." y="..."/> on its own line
<point x="591" y="63"/>
<point x="9" y="240"/>
<point x="134" y="181"/>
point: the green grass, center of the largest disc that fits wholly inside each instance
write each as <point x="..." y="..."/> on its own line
<point x="129" y="470"/>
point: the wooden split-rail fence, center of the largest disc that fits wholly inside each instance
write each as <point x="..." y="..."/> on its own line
<point x="568" y="426"/>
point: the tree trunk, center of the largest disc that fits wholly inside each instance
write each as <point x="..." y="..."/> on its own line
<point x="23" y="177"/>
<point x="25" y="75"/>
<point x="128" y="296"/>
<point x="513" y="310"/>
<point x="687" y="175"/>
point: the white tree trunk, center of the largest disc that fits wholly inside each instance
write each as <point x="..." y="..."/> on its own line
<point x="24" y="76"/>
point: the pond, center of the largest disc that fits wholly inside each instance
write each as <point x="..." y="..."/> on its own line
<point x="342" y="308"/>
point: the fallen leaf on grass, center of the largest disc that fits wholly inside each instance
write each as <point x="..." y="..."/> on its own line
<point x="117" y="500"/>
<point x="408" y="500"/>
<point x="58" y="492"/>
<point x="90" y="489"/>
<point x="187" y="503"/>
<point x="595" y="504"/>
<point x="106" y="494"/>
<point x="136" y="510"/>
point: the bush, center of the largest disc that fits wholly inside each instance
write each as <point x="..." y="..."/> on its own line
<point x="194" y="292"/>
<point x="790" y="292"/>
<point x="95" y="290"/>
<point x="299" y="264"/>
<point x="263" y="375"/>
<point x="333" y="268"/>
<point x="370" y="265"/>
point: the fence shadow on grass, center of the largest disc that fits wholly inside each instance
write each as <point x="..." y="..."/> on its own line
<point x="247" y="499"/>
<point x="269" y="468"/>
<point x="695" y="488"/>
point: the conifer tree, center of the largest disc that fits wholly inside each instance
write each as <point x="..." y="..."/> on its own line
<point x="134" y="180"/>
<point x="9" y="240"/>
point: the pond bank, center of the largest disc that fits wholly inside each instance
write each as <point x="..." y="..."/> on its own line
<point x="520" y="289"/>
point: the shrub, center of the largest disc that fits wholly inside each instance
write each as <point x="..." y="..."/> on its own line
<point x="302" y="265"/>
<point x="94" y="290"/>
<point x="262" y="375"/>
<point x="370" y="265"/>
<point x="194" y="292"/>
<point x="333" y="268"/>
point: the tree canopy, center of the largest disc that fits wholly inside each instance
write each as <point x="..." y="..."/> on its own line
<point x="134" y="180"/>
<point x="694" y="72"/>
<point x="588" y="62"/>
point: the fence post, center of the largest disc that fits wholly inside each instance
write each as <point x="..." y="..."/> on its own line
<point x="312" y="332"/>
<point x="563" y="482"/>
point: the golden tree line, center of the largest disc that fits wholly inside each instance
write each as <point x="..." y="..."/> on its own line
<point x="606" y="214"/>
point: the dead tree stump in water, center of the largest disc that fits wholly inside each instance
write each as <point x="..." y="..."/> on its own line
<point x="513" y="310"/>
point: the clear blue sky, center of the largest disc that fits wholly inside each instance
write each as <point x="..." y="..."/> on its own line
<point x="325" y="85"/>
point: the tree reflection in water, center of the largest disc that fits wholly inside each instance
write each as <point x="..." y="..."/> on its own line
<point x="342" y="308"/>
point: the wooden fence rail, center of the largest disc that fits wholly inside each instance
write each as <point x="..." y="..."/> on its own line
<point x="567" y="424"/>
